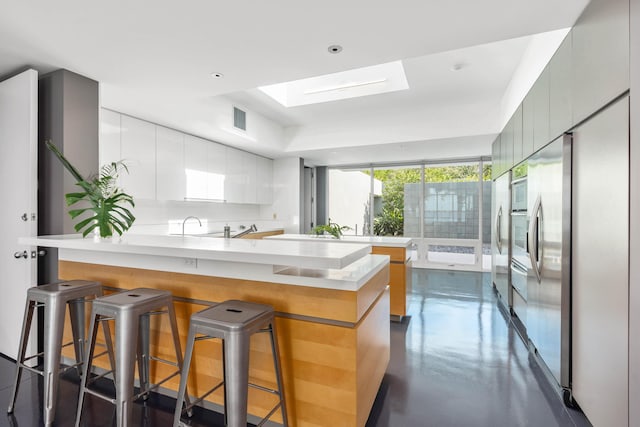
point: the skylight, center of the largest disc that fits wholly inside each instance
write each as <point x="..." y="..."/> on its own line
<point x="364" y="81"/>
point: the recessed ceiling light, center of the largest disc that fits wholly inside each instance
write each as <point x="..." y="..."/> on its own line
<point x="217" y="75"/>
<point x="334" y="48"/>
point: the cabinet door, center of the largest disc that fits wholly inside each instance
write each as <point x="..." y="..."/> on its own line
<point x="195" y="167"/>
<point x="600" y="266"/>
<point x="236" y="176"/>
<point x="250" y="188"/>
<point x="138" y="144"/>
<point x="541" y="111"/>
<point x="527" y="125"/>
<point x="507" y="145"/>
<point x="495" y="158"/>
<point x="170" y="176"/>
<point x="109" y="145"/>
<point x="600" y="56"/>
<point x="216" y="171"/>
<point x="560" y="117"/>
<point x="264" y="178"/>
<point x="517" y="136"/>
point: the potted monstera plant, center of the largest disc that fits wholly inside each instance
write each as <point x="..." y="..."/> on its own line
<point x="105" y="203"/>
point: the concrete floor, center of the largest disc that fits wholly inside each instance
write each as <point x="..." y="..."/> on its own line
<point x="454" y="362"/>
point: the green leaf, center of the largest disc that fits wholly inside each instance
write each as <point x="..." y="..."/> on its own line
<point x="68" y="166"/>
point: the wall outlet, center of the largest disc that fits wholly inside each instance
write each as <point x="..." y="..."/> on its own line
<point x="275" y="215"/>
<point x="190" y="262"/>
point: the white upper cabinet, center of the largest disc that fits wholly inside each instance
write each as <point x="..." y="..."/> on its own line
<point x="138" y="150"/>
<point x="264" y="178"/>
<point x="527" y="125"/>
<point x="195" y="167"/>
<point x="560" y="116"/>
<point x="518" y="154"/>
<point x="216" y="171"/>
<point x="109" y="147"/>
<point x="170" y="165"/>
<point x="600" y="56"/>
<point x="237" y="176"/>
<point x="540" y="92"/>
<point x="165" y="164"/>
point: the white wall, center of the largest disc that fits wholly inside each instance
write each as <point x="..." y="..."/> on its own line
<point x="348" y="197"/>
<point x="287" y="194"/>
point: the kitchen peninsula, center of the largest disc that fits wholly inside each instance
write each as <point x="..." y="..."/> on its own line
<point x="331" y="302"/>
<point x="400" y="268"/>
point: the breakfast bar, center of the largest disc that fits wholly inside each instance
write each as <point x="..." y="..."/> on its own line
<point x="331" y="302"/>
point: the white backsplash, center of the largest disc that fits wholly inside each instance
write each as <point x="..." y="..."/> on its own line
<point x="155" y="217"/>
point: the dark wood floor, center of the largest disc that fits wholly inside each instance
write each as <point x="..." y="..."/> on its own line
<point x="454" y="362"/>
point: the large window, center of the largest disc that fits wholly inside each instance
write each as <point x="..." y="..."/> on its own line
<point x="444" y="207"/>
<point x="399" y="203"/>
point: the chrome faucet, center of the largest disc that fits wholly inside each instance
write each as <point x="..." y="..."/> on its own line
<point x="187" y="218"/>
<point x="247" y="231"/>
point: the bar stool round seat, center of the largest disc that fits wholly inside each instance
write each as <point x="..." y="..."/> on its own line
<point x="54" y="298"/>
<point x="130" y="310"/>
<point x="233" y="322"/>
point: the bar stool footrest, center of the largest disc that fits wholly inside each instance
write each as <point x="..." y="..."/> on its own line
<point x="201" y="398"/>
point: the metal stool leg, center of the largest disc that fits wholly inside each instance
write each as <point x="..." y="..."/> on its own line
<point x="184" y="376"/>
<point x="278" y="370"/>
<point x="176" y="345"/>
<point x="93" y="332"/>
<point x="127" y="327"/>
<point x="143" y="353"/>
<point x="76" y="317"/>
<point x="53" y="328"/>
<point x="237" y="378"/>
<point x="24" y="338"/>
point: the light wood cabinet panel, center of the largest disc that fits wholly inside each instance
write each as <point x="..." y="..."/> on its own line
<point x="600" y="56"/>
<point x="399" y="277"/>
<point x="138" y="145"/>
<point x="560" y="115"/>
<point x="170" y="166"/>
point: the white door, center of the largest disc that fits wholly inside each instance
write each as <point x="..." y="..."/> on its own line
<point x="18" y="186"/>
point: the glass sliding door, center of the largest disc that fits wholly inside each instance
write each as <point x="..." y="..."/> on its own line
<point x="444" y="207"/>
<point x="452" y="216"/>
<point x="397" y="211"/>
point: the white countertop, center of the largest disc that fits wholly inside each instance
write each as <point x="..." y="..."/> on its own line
<point x="329" y="264"/>
<point x="290" y="253"/>
<point x="400" y="242"/>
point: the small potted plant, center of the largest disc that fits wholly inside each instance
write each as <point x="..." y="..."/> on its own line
<point x="331" y="228"/>
<point x="106" y="202"/>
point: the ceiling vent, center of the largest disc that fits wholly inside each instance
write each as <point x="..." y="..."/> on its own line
<point x="239" y="119"/>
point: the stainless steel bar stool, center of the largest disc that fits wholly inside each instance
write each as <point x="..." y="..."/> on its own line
<point x="54" y="298"/>
<point x="131" y="311"/>
<point x="233" y="322"/>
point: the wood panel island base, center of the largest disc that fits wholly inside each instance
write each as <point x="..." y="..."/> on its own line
<point x="333" y="327"/>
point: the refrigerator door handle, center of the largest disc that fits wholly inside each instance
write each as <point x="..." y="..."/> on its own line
<point x="535" y="228"/>
<point x="498" y="230"/>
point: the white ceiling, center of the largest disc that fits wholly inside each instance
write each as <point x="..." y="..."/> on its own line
<point x="154" y="59"/>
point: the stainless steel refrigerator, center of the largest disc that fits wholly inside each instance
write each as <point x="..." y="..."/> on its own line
<point x="549" y="250"/>
<point x="501" y="242"/>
